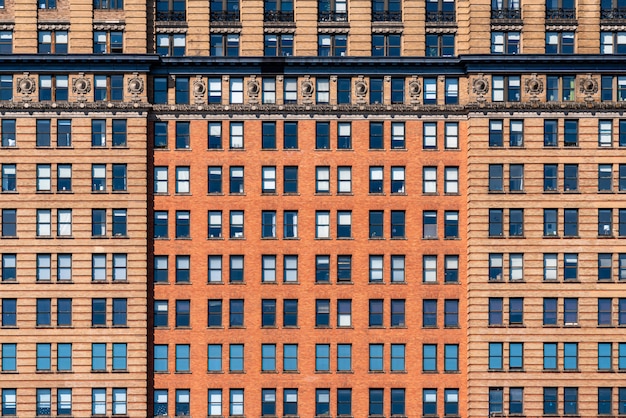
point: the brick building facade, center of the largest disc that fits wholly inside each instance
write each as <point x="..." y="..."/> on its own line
<point x="302" y="207"/>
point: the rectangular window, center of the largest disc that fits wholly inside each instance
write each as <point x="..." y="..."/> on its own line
<point x="236" y="313"/>
<point x="322" y="357"/>
<point x="429" y="313"/>
<point x="322" y="312"/>
<point x="290" y="268"/>
<point x="429" y="269"/>
<point x="215" y="269"/>
<point x="430" y="135"/>
<point x="429" y="357"/>
<point x="9" y="357"/>
<point x="215" y="313"/>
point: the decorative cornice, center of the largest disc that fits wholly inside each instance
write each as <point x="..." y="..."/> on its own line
<point x="226" y="29"/>
<point x="53" y="26"/>
<point x="171" y="29"/>
<point x="109" y="25"/>
<point x="441" y="29"/>
<point x="279" y="29"/>
<point x="334" y="29"/>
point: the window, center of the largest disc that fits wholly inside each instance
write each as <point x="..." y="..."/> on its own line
<point x="182" y="358"/>
<point x="376" y="402"/>
<point x="268" y="357"/>
<point x="64" y="129"/>
<point x="344" y="268"/>
<point x="322" y="224"/>
<point x="322" y="179"/>
<point x="439" y="45"/>
<point x="120" y="262"/>
<point x="9" y="178"/>
<point x="550" y="405"/>
<point x="44" y="313"/>
<point x="236" y="313"/>
<point x="429" y="180"/>
<point x="170" y="45"/>
<point x="236" y="269"/>
<point x="236" y="180"/>
<point x="496" y="316"/>
<point x="6" y="87"/>
<point x="268" y="273"/>
<point x="108" y="42"/>
<point x="570" y="315"/>
<point x="397" y="268"/>
<point x="120" y="310"/>
<point x="429" y="224"/>
<point x="429" y="269"/>
<point x="160" y="402"/>
<point x="495" y="356"/>
<point x="398" y="313"/>
<point x="516" y="311"/>
<point x="506" y="88"/>
<point x="9" y="267"/>
<point x="398" y="140"/>
<point x="182" y="313"/>
<point x="559" y="42"/>
<point x="388" y="45"/>
<point x="516" y="177"/>
<point x="496" y="400"/>
<point x="605" y="401"/>
<point x="277" y="45"/>
<point x="344" y="224"/>
<point x="43" y="177"/>
<point x="451" y="313"/>
<point x="563" y="83"/>
<point x="429" y="357"/>
<point x="322" y="312"/>
<point x="181" y="89"/>
<point x="9" y="222"/>
<point x="496" y="136"/>
<point x="322" y="357"/>
<point x="160" y="358"/>
<point x="429" y="401"/>
<point x="570" y="401"/>
<point x="322" y="401"/>
<point x="268" y="313"/>
<point x="120" y="229"/>
<point x="322" y="269"/>
<point x="215" y="224"/>
<point x="290" y="268"/>
<point x="376" y="224"/>
<point x="290" y="312"/>
<point x="215" y="313"/>
<point x="516" y="356"/>
<point x="119" y="357"/>
<point x="224" y="45"/>
<point x="6" y="42"/>
<point x="605" y="222"/>
<point x="268" y="227"/>
<point x="451" y="269"/>
<point x="451" y="180"/>
<point x="236" y="224"/>
<point x="550" y="222"/>
<point x="549" y="311"/>
<point x="332" y="45"/>
<point x="43" y="129"/>
<point x="570" y="266"/>
<point x="398" y="227"/>
<point x="496" y="223"/>
<point x="64" y="312"/>
<point x="376" y="313"/>
<point x="604" y="356"/>
<point x="451" y="357"/>
<point x="160" y="313"/>
<point x="290" y="357"/>
<point x="64" y="357"/>
<point x="430" y="135"/>
<point x="182" y="268"/>
<point x="182" y="402"/>
<point x="605" y="263"/>
<point x="160" y="269"/>
<point x="44" y="271"/>
<point x="344" y="357"/>
<point x="429" y="313"/>
<point x="8" y="125"/>
<point x="505" y="42"/>
<point x="549" y="267"/>
<point x="451" y="224"/>
<point x="376" y="268"/>
<point x="452" y="89"/>
<point x="343" y="97"/>
<point x="376" y="357"/>
<point x="397" y="90"/>
<point x="344" y="136"/>
<point x="98" y="312"/>
<point x="398" y="358"/>
<point x="516" y="222"/>
<point x="64" y="267"/>
<point x="9" y="402"/>
<point x="290" y="179"/>
<point x="605" y="177"/>
<point x="9" y="312"/>
<point x="290" y="402"/>
<point x="9" y="357"/>
<point x="344" y="312"/>
<point x="44" y="361"/>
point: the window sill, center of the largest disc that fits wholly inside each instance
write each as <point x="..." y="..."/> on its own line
<point x="430" y="238"/>
<point x="215" y="238"/>
<point x="292" y="238"/>
<point x="160" y="238"/>
<point x="157" y="283"/>
<point x="381" y="238"/>
<point x="272" y="193"/>
<point x="322" y="372"/>
<point x="376" y="194"/>
<point x="215" y="372"/>
<point x="291" y="194"/>
<point x="269" y="238"/>
<point x="606" y="236"/>
<point x="215" y="327"/>
<point x="376" y="372"/>
<point x="345" y="372"/>
<point x="345" y="282"/>
<point x="269" y="372"/>
<point x="213" y="194"/>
